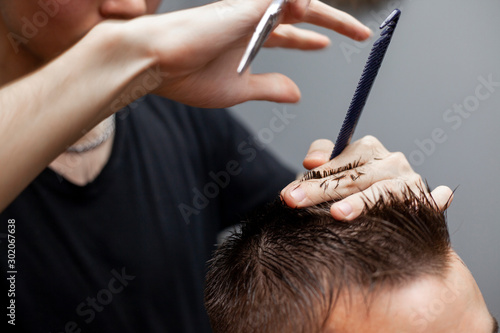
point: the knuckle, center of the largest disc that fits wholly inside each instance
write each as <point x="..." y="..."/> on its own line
<point x="391" y="187"/>
<point x="417" y="179"/>
<point x="399" y="159"/>
<point x="370" y="141"/>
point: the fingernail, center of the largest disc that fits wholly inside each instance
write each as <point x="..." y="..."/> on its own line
<point x="298" y="195"/>
<point x="345" y="208"/>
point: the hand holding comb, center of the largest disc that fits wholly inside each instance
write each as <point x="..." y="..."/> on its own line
<point x="366" y="82"/>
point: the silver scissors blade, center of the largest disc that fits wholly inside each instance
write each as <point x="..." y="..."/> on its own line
<point x="266" y="25"/>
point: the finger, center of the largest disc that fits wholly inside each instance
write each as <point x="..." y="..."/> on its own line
<point x="364" y="149"/>
<point x="272" y="87"/>
<point x="302" y="194"/>
<point x="358" y="153"/>
<point x="347" y="179"/>
<point x="326" y="16"/>
<point x="443" y="196"/>
<point x="360" y="165"/>
<point x="323" y="15"/>
<point x="349" y="208"/>
<point x="352" y="206"/>
<point x="288" y="36"/>
<point x="298" y="8"/>
<point x="318" y="154"/>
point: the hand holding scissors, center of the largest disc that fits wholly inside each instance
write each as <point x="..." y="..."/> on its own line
<point x="205" y="46"/>
<point x="273" y="16"/>
<point x="267" y="24"/>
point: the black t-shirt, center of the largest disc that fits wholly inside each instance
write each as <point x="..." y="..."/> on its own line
<point x="128" y="252"/>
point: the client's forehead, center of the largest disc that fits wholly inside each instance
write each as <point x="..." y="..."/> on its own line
<point x="431" y="304"/>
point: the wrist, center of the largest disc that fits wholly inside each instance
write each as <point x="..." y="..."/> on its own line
<point x="121" y="61"/>
<point x="118" y="43"/>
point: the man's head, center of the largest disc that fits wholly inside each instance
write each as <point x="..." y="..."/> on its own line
<point x="391" y="270"/>
<point x="45" y="28"/>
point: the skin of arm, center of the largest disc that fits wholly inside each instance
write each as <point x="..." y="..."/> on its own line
<point x="194" y="53"/>
<point x="48" y="110"/>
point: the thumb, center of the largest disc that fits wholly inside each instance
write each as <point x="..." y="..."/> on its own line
<point x="273" y="87"/>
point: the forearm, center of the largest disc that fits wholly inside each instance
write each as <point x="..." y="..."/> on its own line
<point x="193" y="55"/>
<point x="43" y="113"/>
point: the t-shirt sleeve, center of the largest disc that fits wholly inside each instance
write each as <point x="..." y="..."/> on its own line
<point x="255" y="175"/>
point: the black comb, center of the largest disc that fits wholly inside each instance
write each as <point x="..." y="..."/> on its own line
<point x="366" y="82"/>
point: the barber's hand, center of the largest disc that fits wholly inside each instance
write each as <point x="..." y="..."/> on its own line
<point x="374" y="170"/>
<point x="198" y="50"/>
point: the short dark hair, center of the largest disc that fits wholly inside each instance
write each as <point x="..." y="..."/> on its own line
<point x="285" y="269"/>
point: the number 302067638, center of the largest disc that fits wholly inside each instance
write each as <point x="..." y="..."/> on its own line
<point x="11" y="239"/>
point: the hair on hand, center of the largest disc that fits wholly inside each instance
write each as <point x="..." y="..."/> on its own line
<point x="316" y="174"/>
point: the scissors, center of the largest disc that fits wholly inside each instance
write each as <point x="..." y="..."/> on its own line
<point x="269" y="21"/>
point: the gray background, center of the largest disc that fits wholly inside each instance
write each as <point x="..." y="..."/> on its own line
<point x="440" y="49"/>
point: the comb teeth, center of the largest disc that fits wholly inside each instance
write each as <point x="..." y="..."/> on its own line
<point x="365" y="84"/>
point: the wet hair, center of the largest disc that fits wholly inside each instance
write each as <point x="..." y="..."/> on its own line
<point x="286" y="268"/>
